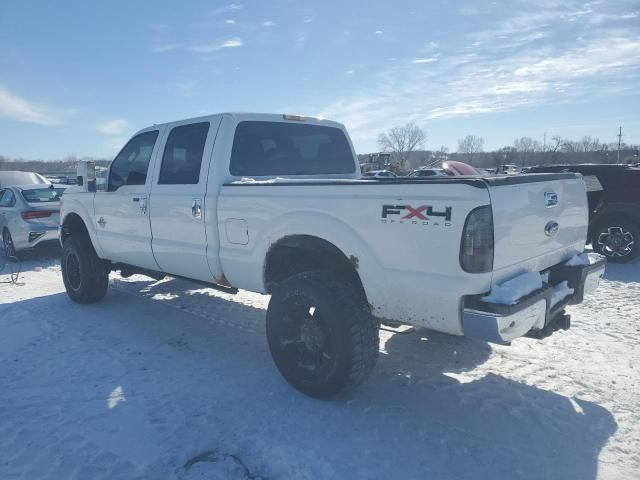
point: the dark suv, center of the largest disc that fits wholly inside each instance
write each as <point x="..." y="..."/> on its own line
<point x="613" y="192"/>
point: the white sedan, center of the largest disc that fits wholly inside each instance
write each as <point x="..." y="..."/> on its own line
<point x="29" y="215"/>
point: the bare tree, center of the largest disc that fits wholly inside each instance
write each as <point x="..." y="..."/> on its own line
<point x="470" y="145"/>
<point x="590" y="144"/>
<point x="504" y="156"/>
<point x="401" y="141"/>
<point x="527" y="148"/>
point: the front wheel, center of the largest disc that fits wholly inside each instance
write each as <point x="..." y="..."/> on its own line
<point x="321" y="335"/>
<point x="85" y="276"/>
<point x="619" y="241"/>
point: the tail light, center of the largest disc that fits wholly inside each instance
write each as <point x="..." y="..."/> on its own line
<point x="476" y="249"/>
<point x="34" y="214"/>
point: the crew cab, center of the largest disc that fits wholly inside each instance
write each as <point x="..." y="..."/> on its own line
<point x="276" y="204"/>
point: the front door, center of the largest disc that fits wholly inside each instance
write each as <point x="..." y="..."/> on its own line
<point x="177" y="202"/>
<point x="122" y="211"/>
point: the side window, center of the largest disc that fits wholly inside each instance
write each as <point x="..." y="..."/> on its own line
<point x="592" y="183"/>
<point x="182" y="156"/>
<point x="131" y="165"/>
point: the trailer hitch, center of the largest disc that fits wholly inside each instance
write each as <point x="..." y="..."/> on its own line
<point x="561" y="321"/>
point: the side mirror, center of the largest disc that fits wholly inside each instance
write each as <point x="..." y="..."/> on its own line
<point x="86" y="176"/>
<point x="102" y="178"/>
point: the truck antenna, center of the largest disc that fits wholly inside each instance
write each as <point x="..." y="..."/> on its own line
<point x="619" y="142"/>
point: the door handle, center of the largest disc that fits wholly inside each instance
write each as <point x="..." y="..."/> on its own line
<point x="142" y="202"/>
<point x="196" y="208"/>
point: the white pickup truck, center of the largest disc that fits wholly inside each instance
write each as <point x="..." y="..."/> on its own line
<point x="276" y="204"/>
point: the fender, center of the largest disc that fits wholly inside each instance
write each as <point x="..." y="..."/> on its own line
<point x="81" y="204"/>
<point x="247" y="265"/>
<point x="619" y="210"/>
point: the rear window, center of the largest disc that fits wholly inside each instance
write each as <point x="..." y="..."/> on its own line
<point x="279" y="148"/>
<point x="42" y="195"/>
<point x="592" y="183"/>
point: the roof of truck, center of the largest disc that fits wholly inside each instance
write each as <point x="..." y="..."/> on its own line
<point x="256" y="116"/>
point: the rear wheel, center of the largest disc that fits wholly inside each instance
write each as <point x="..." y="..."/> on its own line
<point x="322" y="337"/>
<point x="9" y="247"/>
<point x="85" y="276"/>
<point x="619" y="241"/>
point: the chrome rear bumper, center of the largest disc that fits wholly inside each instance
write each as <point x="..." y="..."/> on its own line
<point x="533" y="313"/>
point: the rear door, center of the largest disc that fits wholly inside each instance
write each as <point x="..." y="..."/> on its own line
<point x="178" y="199"/>
<point x="122" y="211"/>
<point x="539" y="220"/>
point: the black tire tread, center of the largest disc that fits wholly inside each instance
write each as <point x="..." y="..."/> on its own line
<point x="95" y="280"/>
<point x="363" y="327"/>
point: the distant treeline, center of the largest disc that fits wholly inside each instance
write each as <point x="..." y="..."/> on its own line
<point x="527" y="155"/>
<point x="66" y="166"/>
<point x="524" y="153"/>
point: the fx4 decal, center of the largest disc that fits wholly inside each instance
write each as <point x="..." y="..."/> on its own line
<point x="416" y="215"/>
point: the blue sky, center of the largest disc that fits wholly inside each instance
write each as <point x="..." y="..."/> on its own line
<point x="79" y="77"/>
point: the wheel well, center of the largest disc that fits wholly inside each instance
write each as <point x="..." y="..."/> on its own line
<point x="73" y="225"/>
<point x="302" y="253"/>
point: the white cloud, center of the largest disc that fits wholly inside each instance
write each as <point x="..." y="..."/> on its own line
<point x="598" y="57"/>
<point x="459" y="84"/>
<point x="230" y="22"/>
<point x="307" y="19"/>
<point x="113" y="127"/>
<point x="20" y="109"/>
<point x="229" y="8"/>
<point x="379" y="32"/>
<point x="419" y="61"/>
<point x="268" y="23"/>
<point x="165" y="48"/>
<point x="210" y="48"/>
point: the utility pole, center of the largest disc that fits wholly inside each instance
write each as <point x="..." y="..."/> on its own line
<point x="619" y="142"/>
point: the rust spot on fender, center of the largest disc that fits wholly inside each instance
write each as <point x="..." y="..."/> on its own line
<point x="222" y="280"/>
<point x="355" y="261"/>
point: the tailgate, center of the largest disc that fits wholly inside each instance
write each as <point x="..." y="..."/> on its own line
<point x="539" y="221"/>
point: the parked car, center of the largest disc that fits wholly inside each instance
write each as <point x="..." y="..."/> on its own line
<point x="427" y="172"/>
<point x="508" y="170"/>
<point x="15" y="177"/>
<point x="455" y="168"/>
<point x="29" y="216"/>
<point x="283" y="209"/>
<point x="379" y="174"/>
<point x="613" y="192"/>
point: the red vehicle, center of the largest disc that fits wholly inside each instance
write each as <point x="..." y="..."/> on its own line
<point x="613" y="192"/>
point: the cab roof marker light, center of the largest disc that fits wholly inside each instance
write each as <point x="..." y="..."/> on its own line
<point x="296" y="118"/>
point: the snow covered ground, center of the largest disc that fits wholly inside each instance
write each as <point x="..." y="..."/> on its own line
<point x="167" y="380"/>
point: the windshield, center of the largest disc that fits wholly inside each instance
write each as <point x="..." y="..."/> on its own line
<point x="42" y="195"/>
